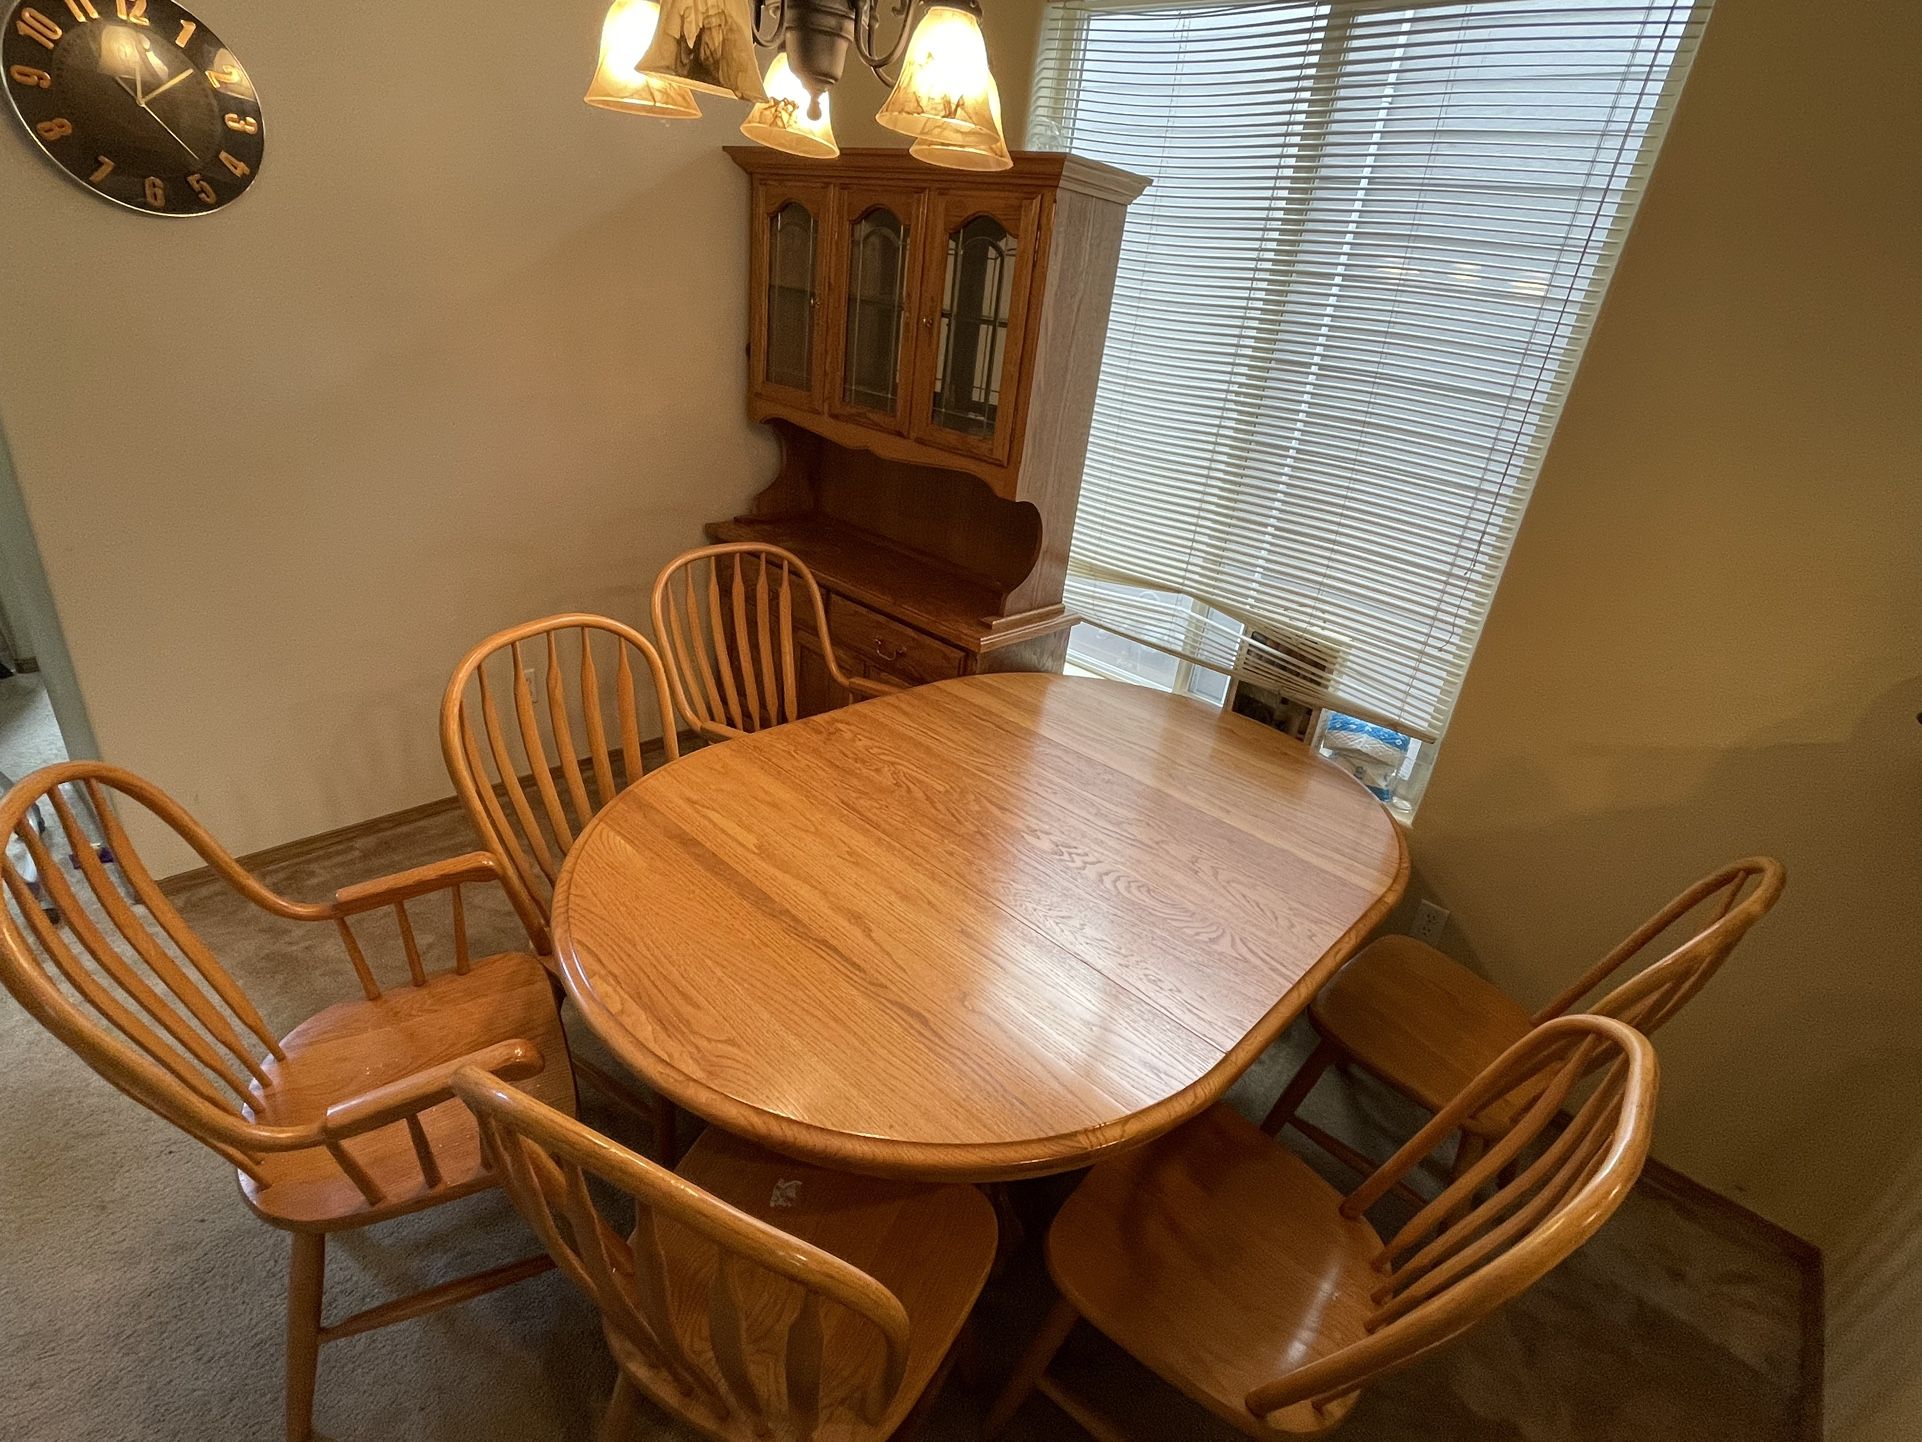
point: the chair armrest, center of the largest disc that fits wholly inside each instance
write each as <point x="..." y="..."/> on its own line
<point x="405" y="885"/>
<point x="867" y="686"/>
<point x="398" y="1100"/>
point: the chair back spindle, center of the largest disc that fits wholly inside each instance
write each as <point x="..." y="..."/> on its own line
<point x="673" y="1293"/>
<point x="1464" y="1254"/>
<point x="541" y="727"/>
<point x="102" y="958"/>
<point x="1725" y="905"/>
<point x="727" y="618"/>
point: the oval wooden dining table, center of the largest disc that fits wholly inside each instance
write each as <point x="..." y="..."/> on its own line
<point x="988" y="928"/>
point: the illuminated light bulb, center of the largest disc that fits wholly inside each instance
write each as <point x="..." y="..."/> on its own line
<point x="617" y="84"/>
<point x="782" y="121"/>
<point x="946" y="94"/>
<point x="975" y="154"/>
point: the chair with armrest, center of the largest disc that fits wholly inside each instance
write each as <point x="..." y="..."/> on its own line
<point x="734" y="622"/>
<point x="346" y="1120"/>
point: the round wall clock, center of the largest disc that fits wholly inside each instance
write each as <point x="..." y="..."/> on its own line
<point x="135" y="99"/>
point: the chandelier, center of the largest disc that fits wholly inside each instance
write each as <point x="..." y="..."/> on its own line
<point x="656" y="54"/>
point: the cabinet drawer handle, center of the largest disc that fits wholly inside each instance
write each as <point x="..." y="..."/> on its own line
<point x="881" y="650"/>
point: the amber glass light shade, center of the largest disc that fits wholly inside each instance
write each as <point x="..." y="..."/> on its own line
<point x="706" y="45"/>
<point x="782" y="121"/>
<point x="974" y="155"/>
<point x="946" y="94"/>
<point x="617" y="85"/>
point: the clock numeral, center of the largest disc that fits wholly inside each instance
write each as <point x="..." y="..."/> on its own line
<point x="36" y="26"/>
<point x="134" y="12"/>
<point x="187" y="28"/>
<point x="106" y="169"/>
<point x="230" y="76"/>
<point x="27" y="75"/>
<point x="238" y="167"/>
<point x="156" y="192"/>
<point x="245" y="124"/>
<point x="58" y="128"/>
<point x="203" y="190"/>
<point x="83" y="10"/>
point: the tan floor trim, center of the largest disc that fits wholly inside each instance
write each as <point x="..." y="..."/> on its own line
<point x="304" y="847"/>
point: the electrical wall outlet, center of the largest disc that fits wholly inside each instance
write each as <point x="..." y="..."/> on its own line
<point x="1429" y="921"/>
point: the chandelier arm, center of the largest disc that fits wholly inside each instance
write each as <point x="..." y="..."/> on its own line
<point x="762" y="10"/>
<point x="864" y="32"/>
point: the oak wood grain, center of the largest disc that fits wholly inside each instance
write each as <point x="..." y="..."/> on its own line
<point x="987" y="928"/>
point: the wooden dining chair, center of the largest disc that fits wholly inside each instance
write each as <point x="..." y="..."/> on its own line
<point x="734" y="621"/>
<point x="1233" y="1271"/>
<point x="755" y="1297"/>
<point x="1427" y="1025"/>
<point x="540" y="726"/>
<point x="346" y="1120"/>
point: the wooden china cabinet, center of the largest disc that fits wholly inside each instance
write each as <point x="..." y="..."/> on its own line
<point x="926" y="343"/>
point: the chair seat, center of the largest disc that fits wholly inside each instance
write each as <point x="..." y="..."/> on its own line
<point x="931" y="1246"/>
<point x="1218" y="1259"/>
<point x="1422" y="1022"/>
<point x="355" y="1046"/>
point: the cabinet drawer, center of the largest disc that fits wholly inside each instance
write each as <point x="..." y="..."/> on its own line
<point x="885" y="643"/>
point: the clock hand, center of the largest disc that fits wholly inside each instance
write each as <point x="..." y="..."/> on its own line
<point x="170" y="130"/>
<point x="141" y="99"/>
<point x="152" y="95"/>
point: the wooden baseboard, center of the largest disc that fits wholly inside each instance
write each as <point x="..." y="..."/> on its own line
<point x="306" y="846"/>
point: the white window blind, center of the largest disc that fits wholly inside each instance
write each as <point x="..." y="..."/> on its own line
<point x="1347" y="312"/>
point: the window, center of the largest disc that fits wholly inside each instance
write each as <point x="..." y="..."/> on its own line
<point x="1347" y="312"/>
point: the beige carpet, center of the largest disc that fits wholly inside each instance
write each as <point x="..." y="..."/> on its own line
<point x="141" y="1302"/>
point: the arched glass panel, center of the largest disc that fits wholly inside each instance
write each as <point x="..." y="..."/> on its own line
<point x="974" y="326"/>
<point x="877" y="247"/>
<point x="790" y="296"/>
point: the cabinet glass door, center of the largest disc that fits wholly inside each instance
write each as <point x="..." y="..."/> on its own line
<point x="877" y="304"/>
<point x="785" y="334"/>
<point x="791" y="244"/>
<point x="978" y="332"/>
<point x="974" y="326"/>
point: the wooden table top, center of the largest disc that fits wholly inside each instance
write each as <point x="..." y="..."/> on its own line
<point x="989" y="928"/>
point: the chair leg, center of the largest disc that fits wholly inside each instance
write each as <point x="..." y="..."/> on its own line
<point x="1034" y="1362"/>
<point x="623" y="1413"/>
<point x="1325" y="1055"/>
<point x="305" y="1279"/>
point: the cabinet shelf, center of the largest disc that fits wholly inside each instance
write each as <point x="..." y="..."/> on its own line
<point x="926" y="344"/>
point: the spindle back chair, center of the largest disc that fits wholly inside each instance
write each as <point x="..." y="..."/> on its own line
<point x="345" y="1120"/>
<point x="1221" y="1195"/>
<point x="742" y="1328"/>
<point x="511" y="743"/>
<point x="728" y="619"/>
<point x="1425" y="1024"/>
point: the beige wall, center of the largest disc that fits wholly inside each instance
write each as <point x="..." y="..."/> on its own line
<point x="1709" y="640"/>
<point x="468" y="352"/>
